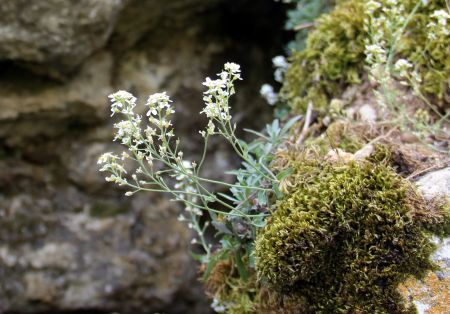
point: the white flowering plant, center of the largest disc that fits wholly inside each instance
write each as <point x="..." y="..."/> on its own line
<point x="159" y="165"/>
<point x="386" y="23"/>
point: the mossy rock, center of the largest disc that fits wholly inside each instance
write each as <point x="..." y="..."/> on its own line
<point x="334" y="55"/>
<point x="344" y="238"/>
<point x="340" y="135"/>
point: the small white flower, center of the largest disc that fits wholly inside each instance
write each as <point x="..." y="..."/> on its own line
<point x="214" y="85"/>
<point x="372" y="6"/>
<point x="224" y="116"/>
<point x="269" y="94"/>
<point x="232" y="67"/>
<point x="106" y="157"/>
<point x="186" y="164"/>
<point x="121" y="97"/>
<point x="152" y="111"/>
<point x="170" y="134"/>
<point x="150" y="132"/>
<point x="402" y="66"/>
<point x="162" y="150"/>
<point x="442" y="16"/>
<point x="211" y="127"/>
<point x="280" y="62"/>
<point x="217" y="306"/>
<point x="279" y="75"/>
<point x="375" y="49"/>
<point x="122" y="101"/>
<point x="158" y="98"/>
<point x="125" y="156"/>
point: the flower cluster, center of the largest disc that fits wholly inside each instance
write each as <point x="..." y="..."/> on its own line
<point x="160" y="164"/>
<point x="386" y="22"/>
<point x="269" y="94"/>
<point x="281" y="65"/>
<point x="218" y="92"/>
<point x="383" y="22"/>
<point x="122" y="102"/>
<point x="267" y="91"/>
<point x="402" y="66"/>
<point x="149" y="145"/>
<point x="439" y="27"/>
<point x="110" y="163"/>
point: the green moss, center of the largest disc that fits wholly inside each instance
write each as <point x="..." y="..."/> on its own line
<point x="344" y="239"/>
<point x="239" y="295"/>
<point x="338" y="135"/>
<point x="246" y="295"/>
<point x="332" y="58"/>
<point x="334" y="55"/>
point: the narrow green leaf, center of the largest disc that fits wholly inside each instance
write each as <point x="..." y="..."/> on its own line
<point x="283" y="174"/>
<point x="228" y="197"/>
<point x="256" y="133"/>
<point x="290" y="123"/>
<point x="240" y="266"/>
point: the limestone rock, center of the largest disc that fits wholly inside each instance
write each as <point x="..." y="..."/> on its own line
<point x="69" y="241"/>
<point x="82" y="98"/>
<point x="432" y="294"/>
<point x="97" y="258"/>
<point x="435" y="184"/>
<point x="60" y="34"/>
<point x="367" y="113"/>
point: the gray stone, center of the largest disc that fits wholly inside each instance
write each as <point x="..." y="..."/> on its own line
<point x="435" y="184"/>
<point x="430" y="295"/>
<point x="97" y="258"/>
<point x="82" y="98"/>
<point x="367" y="113"/>
<point x="57" y="33"/>
<point x="69" y="241"/>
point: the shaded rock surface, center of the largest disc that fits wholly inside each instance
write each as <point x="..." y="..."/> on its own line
<point x="54" y="33"/>
<point x="69" y="241"/>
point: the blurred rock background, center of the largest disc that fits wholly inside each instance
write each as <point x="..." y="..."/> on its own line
<point x="69" y="241"/>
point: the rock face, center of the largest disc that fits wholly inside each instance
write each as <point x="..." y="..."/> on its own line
<point x="69" y="241"/>
<point x="127" y="259"/>
<point x="432" y="294"/>
<point x="55" y="33"/>
<point x="435" y="184"/>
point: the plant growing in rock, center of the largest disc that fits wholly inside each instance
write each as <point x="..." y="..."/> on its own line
<point x="337" y="47"/>
<point x="386" y="24"/>
<point x="159" y="165"/>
